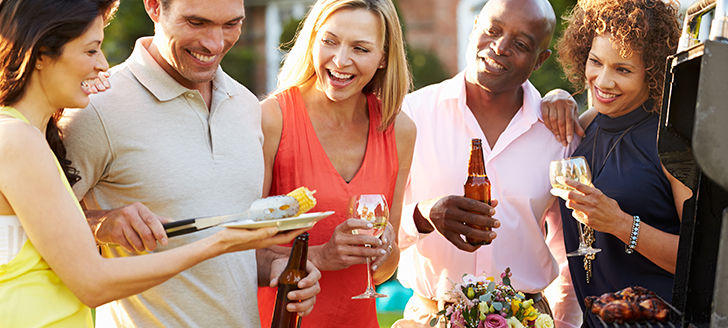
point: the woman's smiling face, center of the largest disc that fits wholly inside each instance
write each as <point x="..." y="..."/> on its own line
<point x="348" y="50"/>
<point x="617" y="83"/>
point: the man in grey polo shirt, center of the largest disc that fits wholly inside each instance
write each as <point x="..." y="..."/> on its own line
<point x="178" y="135"/>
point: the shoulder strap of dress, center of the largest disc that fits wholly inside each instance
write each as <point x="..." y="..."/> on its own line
<point x="12" y="112"/>
<point x="375" y="110"/>
<point x="293" y="110"/>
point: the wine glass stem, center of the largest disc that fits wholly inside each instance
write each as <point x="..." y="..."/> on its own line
<point x="582" y="243"/>
<point x="370" y="290"/>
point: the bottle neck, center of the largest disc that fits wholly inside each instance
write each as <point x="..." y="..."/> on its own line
<point x="476" y="165"/>
<point x="299" y="253"/>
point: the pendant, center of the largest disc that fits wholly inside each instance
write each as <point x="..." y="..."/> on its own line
<point x="589" y="240"/>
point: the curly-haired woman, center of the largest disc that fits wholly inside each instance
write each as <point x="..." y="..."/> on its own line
<point x="617" y="49"/>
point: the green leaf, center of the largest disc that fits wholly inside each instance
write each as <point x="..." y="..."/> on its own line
<point x="474" y="314"/>
<point x="506" y="281"/>
<point x="498" y="306"/>
<point x="441" y="312"/>
<point x="486" y="297"/>
<point x="491" y="286"/>
<point x="434" y="321"/>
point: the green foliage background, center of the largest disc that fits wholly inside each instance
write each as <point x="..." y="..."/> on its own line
<point x="132" y="22"/>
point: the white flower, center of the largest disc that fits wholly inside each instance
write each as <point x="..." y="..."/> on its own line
<point x="472" y="279"/>
<point x="544" y="321"/>
<point x="514" y="323"/>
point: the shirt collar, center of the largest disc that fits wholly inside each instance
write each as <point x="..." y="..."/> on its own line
<point x="155" y="79"/>
<point x="454" y="90"/>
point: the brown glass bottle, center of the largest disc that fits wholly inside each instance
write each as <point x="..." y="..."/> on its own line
<point x="477" y="186"/>
<point x="295" y="271"/>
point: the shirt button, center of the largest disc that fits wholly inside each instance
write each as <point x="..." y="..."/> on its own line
<point x="190" y="95"/>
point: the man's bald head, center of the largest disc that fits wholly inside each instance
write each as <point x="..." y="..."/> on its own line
<point x="509" y="41"/>
<point x="539" y="10"/>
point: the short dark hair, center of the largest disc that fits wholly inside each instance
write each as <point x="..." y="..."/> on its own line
<point x="649" y="27"/>
<point x="30" y="28"/>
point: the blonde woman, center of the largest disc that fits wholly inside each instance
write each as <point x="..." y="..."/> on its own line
<point x="334" y="125"/>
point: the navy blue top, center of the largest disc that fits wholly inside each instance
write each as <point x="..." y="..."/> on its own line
<point x="632" y="175"/>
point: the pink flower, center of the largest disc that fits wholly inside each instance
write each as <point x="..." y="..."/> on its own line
<point x="457" y="320"/>
<point x="495" y="321"/>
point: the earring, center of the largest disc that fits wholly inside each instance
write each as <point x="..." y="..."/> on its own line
<point x="38" y="66"/>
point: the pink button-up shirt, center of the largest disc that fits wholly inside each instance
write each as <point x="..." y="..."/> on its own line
<point x="518" y="168"/>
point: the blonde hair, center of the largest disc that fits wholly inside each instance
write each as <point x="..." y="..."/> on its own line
<point x="390" y="84"/>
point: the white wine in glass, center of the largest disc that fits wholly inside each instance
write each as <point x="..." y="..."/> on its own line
<point x="373" y="209"/>
<point x="572" y="168"/>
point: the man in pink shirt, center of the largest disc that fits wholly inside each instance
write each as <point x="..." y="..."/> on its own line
<point x="491" y="100"/>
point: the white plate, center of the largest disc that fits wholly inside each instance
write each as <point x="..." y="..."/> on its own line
<point x="304" y="220"/>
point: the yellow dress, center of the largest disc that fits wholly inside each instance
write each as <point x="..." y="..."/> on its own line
<point x="31" y="294"/>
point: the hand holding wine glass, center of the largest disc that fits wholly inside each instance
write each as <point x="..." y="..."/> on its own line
<point x="373" y="209"/>
<point x="573" y="168"/>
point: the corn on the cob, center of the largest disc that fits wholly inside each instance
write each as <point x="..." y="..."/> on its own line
<point x="305" y="199"/>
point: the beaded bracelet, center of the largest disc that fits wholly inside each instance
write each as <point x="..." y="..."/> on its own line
<point x="629" y="249"/>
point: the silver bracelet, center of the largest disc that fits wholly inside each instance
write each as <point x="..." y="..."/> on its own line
<point x="634" y="234"/>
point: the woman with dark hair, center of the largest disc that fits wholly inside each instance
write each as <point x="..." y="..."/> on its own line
<point x="50" y="268"/>
<point x="617" y="49"/>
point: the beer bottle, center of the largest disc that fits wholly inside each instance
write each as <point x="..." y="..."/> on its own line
<point x="295" y="271"/>
<point x="477" y="186"/>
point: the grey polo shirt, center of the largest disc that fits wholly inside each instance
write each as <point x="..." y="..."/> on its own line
<point x="151" y="140"/>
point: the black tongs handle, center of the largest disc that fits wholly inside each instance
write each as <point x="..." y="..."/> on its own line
<point x="178" y="224"/>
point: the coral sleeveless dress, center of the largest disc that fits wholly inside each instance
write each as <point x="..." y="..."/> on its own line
<point x="302" y="161"/>
<point x="31" y="294"/>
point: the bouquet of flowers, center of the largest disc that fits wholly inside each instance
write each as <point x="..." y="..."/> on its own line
<point x="480" y="302"/>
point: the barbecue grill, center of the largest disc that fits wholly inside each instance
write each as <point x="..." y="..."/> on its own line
<point x="693" y="146"/>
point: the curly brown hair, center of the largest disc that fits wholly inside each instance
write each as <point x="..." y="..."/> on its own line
<point x="634" y="25"/>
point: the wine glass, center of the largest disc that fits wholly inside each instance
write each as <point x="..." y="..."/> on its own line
<point x="372" y="208"/>
<point x="574" y="168"/>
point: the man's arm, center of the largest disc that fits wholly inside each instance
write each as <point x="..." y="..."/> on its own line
<point x="561" y="116"/>
<point x="133" y="227"/>
<point x="452" y="215"/>
<point x="560" y="293"/>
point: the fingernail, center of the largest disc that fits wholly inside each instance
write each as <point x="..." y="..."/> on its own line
<point x="99" y="85"/>
<point x="374" y="267"/>
<point x="107" y="84"/>
<point x="165" y="241"/>
<point x="569" y="138"/>
<point x="369" y="225"/>
<point x="381" y="251"/>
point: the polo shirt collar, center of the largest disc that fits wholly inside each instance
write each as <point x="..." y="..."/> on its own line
<point x="155" y="79"/>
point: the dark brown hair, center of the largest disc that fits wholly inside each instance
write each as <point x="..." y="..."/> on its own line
<point x="647" y="27"/>
<point x="30" y="28"/>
